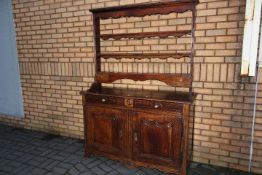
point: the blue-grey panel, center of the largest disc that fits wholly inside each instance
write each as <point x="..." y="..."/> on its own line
<point x="11" y="102"/>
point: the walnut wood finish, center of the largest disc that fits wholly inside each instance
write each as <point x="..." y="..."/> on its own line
<point x="176" y="55"/>
<point x="160" y="106"/>
<point x="156" y="138"/>
<point x="193" y="46"/>
<point x="144" y="128"/>
<point x="140" y="10"/>
<point x="140" y="127"/>
<point x="107" y="130"/>
<point x="118" y="93"/>
<point x="96" y="22"/>
<point x="180" y="80"/>
<point x="142" y="35"/>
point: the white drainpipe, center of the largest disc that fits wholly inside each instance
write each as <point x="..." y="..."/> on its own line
<point x="253" y="124"/>
<point x="249" y="55"/>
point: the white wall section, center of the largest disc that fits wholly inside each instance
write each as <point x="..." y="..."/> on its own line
<point x="11" y="102"/>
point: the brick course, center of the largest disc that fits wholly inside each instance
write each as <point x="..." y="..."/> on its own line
<point x="55" y="47"/>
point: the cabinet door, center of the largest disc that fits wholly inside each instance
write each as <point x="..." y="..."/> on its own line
<point x="157" y="138"/>
<point x="107" y="130"/>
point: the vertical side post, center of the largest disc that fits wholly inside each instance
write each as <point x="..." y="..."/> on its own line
<point x="192" y="49"/>
<point x="86" y="154"/>
<point x="185" y="156"/>
<point x="96" y="24"/>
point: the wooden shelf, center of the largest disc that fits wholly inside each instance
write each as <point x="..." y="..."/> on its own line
<point x="144" y="9"/>
<point x="176" y="55"/>
<point x="178" y="80"/>
<point x="163" y="95"/>
<point x="142" y="35"/>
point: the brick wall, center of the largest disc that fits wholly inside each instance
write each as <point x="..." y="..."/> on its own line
<point x="55" y="46"/>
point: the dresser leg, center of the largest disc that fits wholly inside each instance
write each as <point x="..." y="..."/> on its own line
<point x="183" y="171"/>
<point x="88" y="153"/>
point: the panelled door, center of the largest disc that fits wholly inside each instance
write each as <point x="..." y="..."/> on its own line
<point x="157" y="138"/>
<point x="107" y="130"/>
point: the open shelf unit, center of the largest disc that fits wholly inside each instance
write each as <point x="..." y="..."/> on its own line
<point x="142" y="10"/>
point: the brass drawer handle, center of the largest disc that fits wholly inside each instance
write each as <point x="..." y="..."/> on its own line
<point x="156" y="106"/>
<point x="129" y="102"/>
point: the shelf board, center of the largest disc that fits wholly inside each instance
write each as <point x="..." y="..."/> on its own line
<point x="162" y="95"/>
<point x="176" y="55"/>
<point x="178" y="80"/>
<point x="145" y="9"/>
<point x="142" y="35"/>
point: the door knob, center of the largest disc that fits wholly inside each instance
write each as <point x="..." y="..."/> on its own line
<point x="135" y="137"/>
<point x="120" y="133"/>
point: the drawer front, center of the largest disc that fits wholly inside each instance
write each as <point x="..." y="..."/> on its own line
<point x="158" y="105"/>
<point x="99" y="99"/>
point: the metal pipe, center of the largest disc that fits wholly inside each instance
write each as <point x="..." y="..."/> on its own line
<point x="253" y="124"/>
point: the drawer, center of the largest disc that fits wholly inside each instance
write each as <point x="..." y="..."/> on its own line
<point x="158" y="105"/>
<point x="100" y="99"/>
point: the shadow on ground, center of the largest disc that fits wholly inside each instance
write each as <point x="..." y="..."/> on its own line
<point x="24" y="152"/>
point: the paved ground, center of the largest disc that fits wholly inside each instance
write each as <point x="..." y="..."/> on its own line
<point x="24" y="152"/>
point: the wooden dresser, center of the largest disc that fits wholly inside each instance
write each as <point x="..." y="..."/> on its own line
<point x="140" y="127"/>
